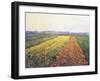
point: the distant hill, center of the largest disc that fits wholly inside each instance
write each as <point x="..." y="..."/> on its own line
<point x="30" y="33"/>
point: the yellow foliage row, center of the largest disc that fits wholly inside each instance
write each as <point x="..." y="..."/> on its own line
<point x="54" y="43"/>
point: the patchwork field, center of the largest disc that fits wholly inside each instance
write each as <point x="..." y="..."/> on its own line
<point x="52" y="50"/>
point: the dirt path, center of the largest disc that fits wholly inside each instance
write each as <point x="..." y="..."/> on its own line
<point x="71" y="55"/>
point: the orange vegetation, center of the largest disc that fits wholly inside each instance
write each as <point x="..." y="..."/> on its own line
<point x="71" y="55"/>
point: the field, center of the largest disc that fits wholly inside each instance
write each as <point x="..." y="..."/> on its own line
<point x="52" y="49"/>
<point x="83" y="40"/>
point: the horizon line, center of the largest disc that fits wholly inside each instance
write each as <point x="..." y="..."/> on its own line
<point x="54" y="31"/>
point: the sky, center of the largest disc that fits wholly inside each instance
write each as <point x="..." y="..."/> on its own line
<point x="57" y="22"/>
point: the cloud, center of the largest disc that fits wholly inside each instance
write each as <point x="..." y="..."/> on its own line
<point x="55" y="22"/>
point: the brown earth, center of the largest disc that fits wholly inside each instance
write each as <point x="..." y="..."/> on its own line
<point x="71" y="55"/>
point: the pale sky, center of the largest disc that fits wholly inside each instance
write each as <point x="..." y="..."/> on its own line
<point x="57" y="22"/>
